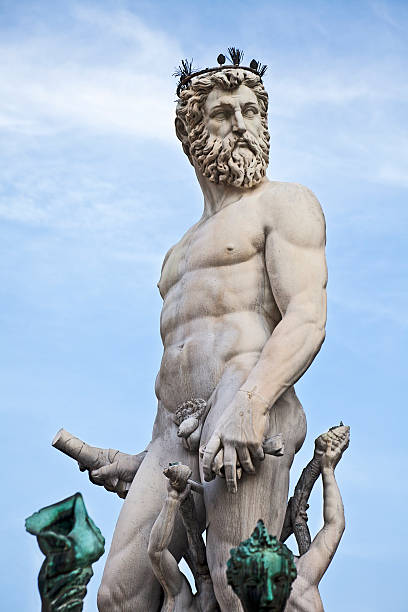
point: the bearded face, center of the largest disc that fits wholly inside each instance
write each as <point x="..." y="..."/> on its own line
<point x="238" y="160"/>
<point x="230" y="143"/>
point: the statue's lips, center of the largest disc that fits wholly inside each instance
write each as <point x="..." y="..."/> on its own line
<point x="241" y="143"/>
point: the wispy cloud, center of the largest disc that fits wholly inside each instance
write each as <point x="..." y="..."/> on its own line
<point x="350" y="122"/>
<point x="106" y="77"/>
<point x="110" y="73"/>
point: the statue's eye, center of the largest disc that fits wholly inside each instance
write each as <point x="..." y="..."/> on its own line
<point x="250" y="112"/>
<point x="220" y="115"/>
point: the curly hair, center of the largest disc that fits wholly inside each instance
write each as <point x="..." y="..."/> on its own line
<point x="190" y="106"/>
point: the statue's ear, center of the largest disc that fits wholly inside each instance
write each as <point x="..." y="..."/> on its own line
<point x="181" y="130"/>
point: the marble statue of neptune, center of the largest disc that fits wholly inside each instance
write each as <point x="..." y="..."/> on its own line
<point x="244" y="311"/>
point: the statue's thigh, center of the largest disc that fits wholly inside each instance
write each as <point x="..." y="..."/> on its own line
<point x="231" y="517"/>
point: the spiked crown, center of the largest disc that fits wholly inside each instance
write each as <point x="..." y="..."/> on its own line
<point x="185" y="72"/>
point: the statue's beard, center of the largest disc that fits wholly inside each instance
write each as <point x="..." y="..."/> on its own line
<point x="225" y="160"/>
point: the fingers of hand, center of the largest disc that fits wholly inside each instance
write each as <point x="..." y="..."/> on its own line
<point x="258" y="453"/>
<point x="218" y="463"/>
<point x="345" y="441"/>
<point x="185" y="493"/>
<point x="106" y="476"/>
<point x="122" y="488"/>
<point x="230" y="468"/>
<point x="245" y="459"/>
<point x="104" y="473"/>
<point x="210" y="451"/>
<point x="126" y="470"/>
<point x="111" y="485"/>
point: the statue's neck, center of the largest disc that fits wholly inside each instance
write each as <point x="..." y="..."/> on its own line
<point x="217" y="196"/>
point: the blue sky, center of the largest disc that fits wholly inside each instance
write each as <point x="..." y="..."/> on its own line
<point x="94" y="190"/>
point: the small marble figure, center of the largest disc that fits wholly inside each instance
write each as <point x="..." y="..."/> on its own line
<point x="296" y="512"/>
<point x="178" y="596"/>
<point x="71" y="542"/>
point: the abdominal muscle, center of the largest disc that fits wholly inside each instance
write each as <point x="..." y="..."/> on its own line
<point x="206" y="350"/>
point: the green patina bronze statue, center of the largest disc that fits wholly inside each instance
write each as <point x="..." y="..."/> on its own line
<point x="71" y="542"/>
<point x="261" y="571"/>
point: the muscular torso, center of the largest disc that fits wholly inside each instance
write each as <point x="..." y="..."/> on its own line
<point x="218" y="309"/>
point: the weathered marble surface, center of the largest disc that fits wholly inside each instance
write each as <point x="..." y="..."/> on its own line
<point x="244" y="308"/>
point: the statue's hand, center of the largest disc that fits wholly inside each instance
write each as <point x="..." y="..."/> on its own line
<point x="336" y="444"/>
<point x="178" y="496"/>
<point x="117" y="475"/>
<point x="178" y="487"/>
<point x="237" y="439"/>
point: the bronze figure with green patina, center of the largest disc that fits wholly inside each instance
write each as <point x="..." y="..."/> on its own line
<point x="71" y="542"/>
<point x="261" y="571"/>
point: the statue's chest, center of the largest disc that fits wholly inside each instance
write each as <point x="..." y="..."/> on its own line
<point x="220" y="241"/>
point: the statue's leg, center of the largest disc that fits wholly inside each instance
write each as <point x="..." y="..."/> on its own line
<point x="231" y="518"/>
<point x="128" y="583"/>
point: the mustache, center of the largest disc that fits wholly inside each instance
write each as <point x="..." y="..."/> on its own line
<point x="223" y="148"/>
<point x="225" y="160"/>
<point x="248" y="139"/>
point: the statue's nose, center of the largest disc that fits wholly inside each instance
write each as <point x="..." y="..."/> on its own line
<point x="238" y="126"/>
<point x="268" y="593"/>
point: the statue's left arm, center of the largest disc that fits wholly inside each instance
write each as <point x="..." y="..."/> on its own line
<point x="296" y="266"/>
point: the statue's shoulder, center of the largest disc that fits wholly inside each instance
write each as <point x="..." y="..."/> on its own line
<point x="293" y="210"/>
<point x="285" y="198"/>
